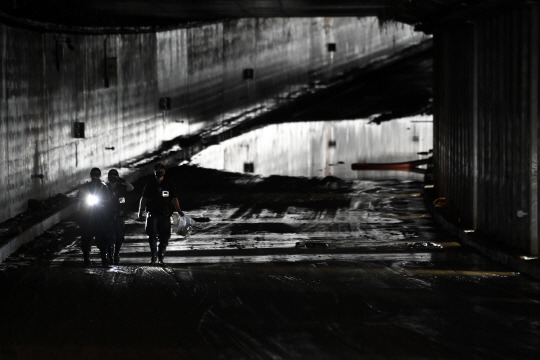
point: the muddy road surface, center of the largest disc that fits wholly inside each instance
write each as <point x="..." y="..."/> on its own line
<point x="275" y="268"/>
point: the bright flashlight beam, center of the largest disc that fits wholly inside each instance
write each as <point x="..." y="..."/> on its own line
<point x="92" y="200"/>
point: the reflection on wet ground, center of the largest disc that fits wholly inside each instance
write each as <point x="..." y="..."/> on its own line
<point x="280" y="268"/>
<point x="323" y="148"/>
<point x="273" y="225"/>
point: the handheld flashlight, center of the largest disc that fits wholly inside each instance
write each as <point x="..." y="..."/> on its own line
<point x="92" y="200"/>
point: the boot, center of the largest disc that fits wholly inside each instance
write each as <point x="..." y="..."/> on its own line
<point x="105" y="260"/>
<point x="116" y="259"/>
<point x="110" y="251"/>
<point x="153" y="258"/>
<point x="161" y="254"/>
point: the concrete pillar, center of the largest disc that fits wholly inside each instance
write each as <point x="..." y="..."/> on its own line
<point x="533" y="116"/>
<point x="475" y="145"/>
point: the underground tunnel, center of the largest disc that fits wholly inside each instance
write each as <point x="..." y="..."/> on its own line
<point x="360" y="177"/>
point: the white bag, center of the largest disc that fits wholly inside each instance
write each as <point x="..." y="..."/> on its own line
<point x="184" y="225"/>
<point x="175" y="219"/>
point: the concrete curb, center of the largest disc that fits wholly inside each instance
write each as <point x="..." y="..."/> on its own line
<point x="515" y="262"/>
<point x="529" y="267"/>
<point x="35" y="230"/>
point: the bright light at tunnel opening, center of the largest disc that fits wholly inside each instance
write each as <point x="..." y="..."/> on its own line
<point x="92" y="200"/>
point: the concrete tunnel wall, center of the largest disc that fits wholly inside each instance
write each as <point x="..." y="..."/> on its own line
<point x="486" y="125"/>
<point x="113" y="83"/>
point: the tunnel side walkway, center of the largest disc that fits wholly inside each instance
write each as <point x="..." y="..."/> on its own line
<point x="279" y="267"/>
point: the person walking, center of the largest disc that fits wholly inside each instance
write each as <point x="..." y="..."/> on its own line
<point x="159" y="199"/>
<point x="118" y="188"/>
<point x="95" y="216"/>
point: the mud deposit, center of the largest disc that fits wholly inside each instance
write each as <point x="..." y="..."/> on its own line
<point x="276" y="268"/>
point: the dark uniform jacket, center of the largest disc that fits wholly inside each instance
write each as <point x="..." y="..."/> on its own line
<point x="159" y="197"/>
<point x="118" y="199"/>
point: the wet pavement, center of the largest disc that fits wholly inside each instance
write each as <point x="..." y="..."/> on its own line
<point x="280" y="267"/>
<point x="275" y="268"/>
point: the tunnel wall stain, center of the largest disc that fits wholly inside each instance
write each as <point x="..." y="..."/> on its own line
<point x="486" y="125"/>
<point x="113" y="84"/>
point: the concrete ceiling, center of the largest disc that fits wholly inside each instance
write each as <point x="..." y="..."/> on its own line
<point x="177" y="13"/>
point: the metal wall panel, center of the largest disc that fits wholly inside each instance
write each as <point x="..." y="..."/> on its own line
<point x="486" y="140"/>
<point x="454" y="125"/>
